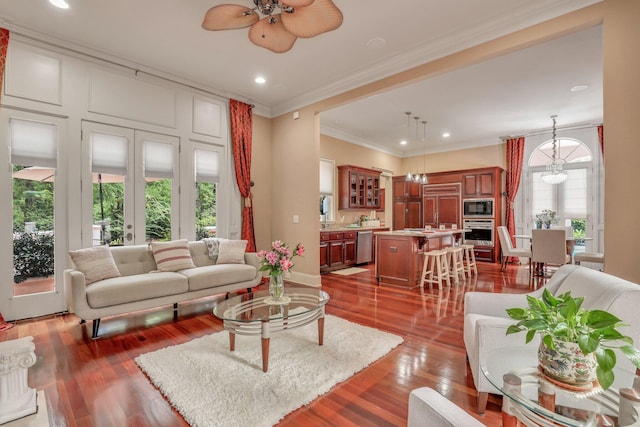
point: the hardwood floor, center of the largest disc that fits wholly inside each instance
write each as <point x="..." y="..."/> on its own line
<point x="97" y="383"/>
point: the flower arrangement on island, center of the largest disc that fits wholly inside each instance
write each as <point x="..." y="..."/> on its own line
<point x="277" y="261"/>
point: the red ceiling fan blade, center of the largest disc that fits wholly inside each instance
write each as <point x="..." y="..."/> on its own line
<point x="272" y="36"/>
<point x="228" y="17"/>
<point x="297" y="3"/>
<point x="317" y="18"/>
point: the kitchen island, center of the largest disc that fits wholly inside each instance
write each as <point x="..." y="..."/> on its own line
<point x="399" y="254"/>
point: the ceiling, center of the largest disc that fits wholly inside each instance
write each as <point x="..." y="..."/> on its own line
<point x="513" y="94"/>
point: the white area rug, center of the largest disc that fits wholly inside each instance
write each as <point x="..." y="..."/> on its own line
<point x="211" y="386"/>
<point x="349" y="271"/>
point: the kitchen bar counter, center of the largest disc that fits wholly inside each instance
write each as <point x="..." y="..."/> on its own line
<point x="399" y="254"/>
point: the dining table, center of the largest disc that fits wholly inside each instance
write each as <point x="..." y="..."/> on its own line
<point x="570" y="242"/>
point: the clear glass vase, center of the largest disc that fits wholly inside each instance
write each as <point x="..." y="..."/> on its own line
<point x="276" y="287"/>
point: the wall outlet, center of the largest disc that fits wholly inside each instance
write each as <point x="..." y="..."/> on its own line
<point x="296" y="219"/>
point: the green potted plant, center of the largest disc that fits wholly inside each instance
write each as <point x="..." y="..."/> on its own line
<point x="577" y="344"/>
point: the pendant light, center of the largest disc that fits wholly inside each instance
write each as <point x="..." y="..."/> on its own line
<point x="424" y="179"/>
<point x="554" y="174"/>
<point x="409" y="176"/>
<point x="417" y="177"/>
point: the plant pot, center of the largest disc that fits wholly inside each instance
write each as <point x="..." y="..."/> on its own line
<point x="567" y="364"/>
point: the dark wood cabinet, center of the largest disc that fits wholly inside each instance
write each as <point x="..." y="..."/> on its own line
<point x="337" y="250"/>
<point x="441" y="205"/>
<point x="407" y="204"/>
<point x="478" y="184"/>
<point x="382" y="201"/>
<point x="358" y="188"/>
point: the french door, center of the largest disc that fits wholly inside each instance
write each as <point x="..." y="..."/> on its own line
<point x="130" y="185"/>
<point x="33" y="243"/>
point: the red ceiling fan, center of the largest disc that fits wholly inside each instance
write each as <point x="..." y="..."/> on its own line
<point x="282" y="22"/>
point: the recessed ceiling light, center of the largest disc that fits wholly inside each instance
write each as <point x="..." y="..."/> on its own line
<point x="403" y="142"/>
<point x="60" y="3"/>
<point x="446" y="135"/>
<point x="376" y="43"/>
<point x="260" y="80"/>
<point x="578" y="88"/>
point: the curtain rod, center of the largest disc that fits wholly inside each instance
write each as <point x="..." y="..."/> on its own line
<point x="545" y="131"/>
<point x="118" y="64"/>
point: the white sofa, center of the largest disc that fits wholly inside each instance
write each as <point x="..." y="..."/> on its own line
<point x="139" y="288"/>
<point x="486" y="320"/>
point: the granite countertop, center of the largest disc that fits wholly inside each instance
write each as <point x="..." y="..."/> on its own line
<point x="422" y="233"/>
<point x="345" y="228"/>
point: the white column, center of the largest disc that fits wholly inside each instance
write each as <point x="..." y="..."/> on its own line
<point x="17" y="400"/>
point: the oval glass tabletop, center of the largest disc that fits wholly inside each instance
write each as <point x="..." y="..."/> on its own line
<point x="257" y="306"/>
<point x="573" y="407"/>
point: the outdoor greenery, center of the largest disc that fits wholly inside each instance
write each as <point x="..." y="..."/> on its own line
<point x="32" y="255"/>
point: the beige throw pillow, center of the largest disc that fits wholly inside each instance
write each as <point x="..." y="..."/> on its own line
<point x="95" y="263"/>
<point x="172" y="256"/>
<point x="213" y="246"/>
<point x="232" y="252"/>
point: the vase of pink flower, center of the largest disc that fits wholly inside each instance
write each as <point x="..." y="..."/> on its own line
<point x="278" y="261"/>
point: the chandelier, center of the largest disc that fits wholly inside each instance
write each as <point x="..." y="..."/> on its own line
<point x="276" y="25"/>
<point x="554" y="173"/>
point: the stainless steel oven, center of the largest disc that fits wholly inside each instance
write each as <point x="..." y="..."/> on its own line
<point x="479" y="232"/>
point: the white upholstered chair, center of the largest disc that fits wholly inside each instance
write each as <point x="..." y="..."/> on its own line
<point x="595" y="257"/>
<point x="508" y="251"/>
<point x="549" y="247"/>
<point x="429" y="408"/>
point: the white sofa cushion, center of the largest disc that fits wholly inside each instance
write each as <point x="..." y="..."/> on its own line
<point x="125" y="289"/>
<point x="429" y="408"/>
<point x="218" y="275"/>
<point x="231" y="252"/>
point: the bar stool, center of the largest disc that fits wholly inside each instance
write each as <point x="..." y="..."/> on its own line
<point x="435" y="269"/>
<point x="470" y="266"/>
<point x="456" y="263"/>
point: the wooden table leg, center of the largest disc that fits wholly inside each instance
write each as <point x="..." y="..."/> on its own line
<point x="265" y="354"/>
<point x="232" y="341"/>
<point x="321" y="330"/>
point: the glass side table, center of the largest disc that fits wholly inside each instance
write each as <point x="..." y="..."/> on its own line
<point x="531" y="400"/>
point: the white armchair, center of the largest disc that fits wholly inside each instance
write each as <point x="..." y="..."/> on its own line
<point x="486" y="320"/>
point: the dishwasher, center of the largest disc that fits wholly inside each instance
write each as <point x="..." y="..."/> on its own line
<point x="364" y="247"/>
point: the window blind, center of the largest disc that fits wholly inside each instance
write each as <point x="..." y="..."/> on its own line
<point x="542" y="195"/>
<point x="207" y="165"/>
<point x="326" y="177"/>
<point x="575" y="194"/>
<point x="158" y="159"/>
<point x="33" y="143"/>
<point x="109" y="153"/>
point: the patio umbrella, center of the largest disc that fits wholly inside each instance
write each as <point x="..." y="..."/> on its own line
<point x="42" y="174"/>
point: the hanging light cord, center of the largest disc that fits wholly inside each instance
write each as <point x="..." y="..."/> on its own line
<point x="553" y="133"/>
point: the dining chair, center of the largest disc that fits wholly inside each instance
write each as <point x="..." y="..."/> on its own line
<point x="508" y="251"/>
<point x="549" y="247"/>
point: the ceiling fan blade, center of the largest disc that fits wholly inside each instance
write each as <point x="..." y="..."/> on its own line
<point x="271" y="36"/>
<point x="317" y="18"/>
<point x="297" y="3"/>
<point x="228" y="17"/>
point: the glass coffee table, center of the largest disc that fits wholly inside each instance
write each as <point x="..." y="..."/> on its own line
<point x="254" y="314"/>
<point x="530" y="399"/>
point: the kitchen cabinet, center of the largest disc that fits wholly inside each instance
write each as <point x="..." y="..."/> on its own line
<point x="358" y="188"/>
<point x="382" y="201"/>
<point x="407" y="204"/>
<point x="441" y="205"/>
<point x="337" y="250"/>
<point x="478" y="184"/>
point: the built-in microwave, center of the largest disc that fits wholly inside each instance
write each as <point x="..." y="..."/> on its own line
<point x="477" y="208"/>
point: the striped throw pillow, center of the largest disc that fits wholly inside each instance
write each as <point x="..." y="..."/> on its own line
<point x="172" y="256"/>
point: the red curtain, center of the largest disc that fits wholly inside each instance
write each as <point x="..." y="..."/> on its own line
<point x="601" y="139"/>
<point x="515" y="155"/>
<point x="4" y="43"/>
<point x="241" y="134"/>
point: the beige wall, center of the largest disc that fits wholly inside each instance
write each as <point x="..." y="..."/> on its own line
<point x="261" y="154"/>
<point x="621" y="34"/>
<point x="621" y="112"/>
<point x="472" y="158"/>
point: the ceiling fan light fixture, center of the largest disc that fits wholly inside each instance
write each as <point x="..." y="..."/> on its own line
<point x="319" y="17"/>
<point x="229" y="17"/>
<point x="269" y="33"/>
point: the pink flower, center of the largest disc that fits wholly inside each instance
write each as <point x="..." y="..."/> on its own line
<point x="279" y="258"/>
